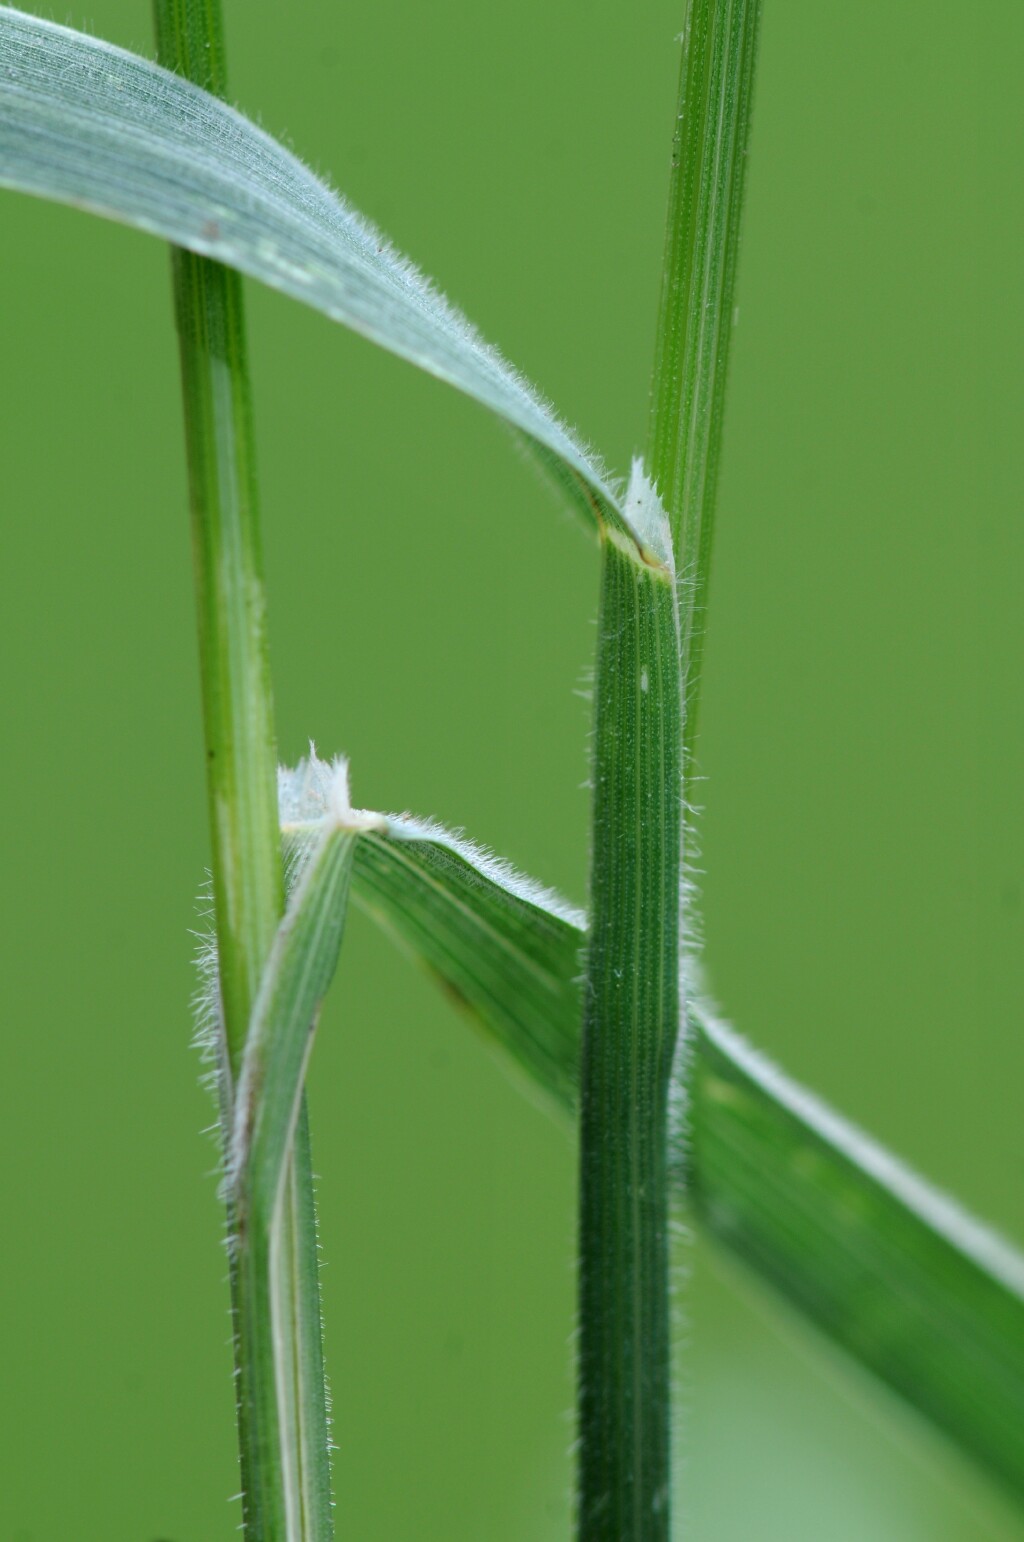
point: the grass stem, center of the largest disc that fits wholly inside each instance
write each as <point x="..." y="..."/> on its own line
<point x="697" y="315"/>
<point x="630" y="1023"/>
<point x="650" y="649"/>
<point x="275" y="1290"/>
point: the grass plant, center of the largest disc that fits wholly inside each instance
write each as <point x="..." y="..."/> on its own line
<point x="603" y="1013"/>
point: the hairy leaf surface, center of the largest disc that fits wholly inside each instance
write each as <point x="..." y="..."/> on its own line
<point x="890" y="1269"/>
<point x="91" y="125"/>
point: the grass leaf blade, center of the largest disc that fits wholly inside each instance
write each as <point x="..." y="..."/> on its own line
<point x="901" y="1278"/>
<point x="508" y="953"/>
<point x="487" y="949"/>
<point x="88" y="124"/>
<point x="928" y="1300"/>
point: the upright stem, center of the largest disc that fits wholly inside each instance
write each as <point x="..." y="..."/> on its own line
<point x="282" y="1416"/>
<point x="241" y="757"/>
<point x="630" y="1024"/>
<point x="696" y="316"/>
<point x="650" y="649"/>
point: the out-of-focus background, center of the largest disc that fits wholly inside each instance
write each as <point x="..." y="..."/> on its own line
<point x="432" y="613"/>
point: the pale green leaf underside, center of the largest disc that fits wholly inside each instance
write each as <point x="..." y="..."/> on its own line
<point x="891" y="1270"/>
<point x="87" y="124"/>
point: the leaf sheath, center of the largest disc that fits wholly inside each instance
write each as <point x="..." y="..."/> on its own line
<point x="291" y="1496"/>
<point x="630" y="1024"/>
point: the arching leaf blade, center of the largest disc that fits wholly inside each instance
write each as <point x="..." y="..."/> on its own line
<point x="910" y="1287"/>
<point x="504" y="956"/>
<point x="91" y="125"/>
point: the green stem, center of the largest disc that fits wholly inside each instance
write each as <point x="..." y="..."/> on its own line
<point x="696" y="316"/>
<point x="247" y="869"/>
<point x="237" y="702"/>
<point x="650" y="651"/>
<point x="630" y="1023"/>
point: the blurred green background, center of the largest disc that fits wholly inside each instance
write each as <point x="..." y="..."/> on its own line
<point x="863" y="741"/>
